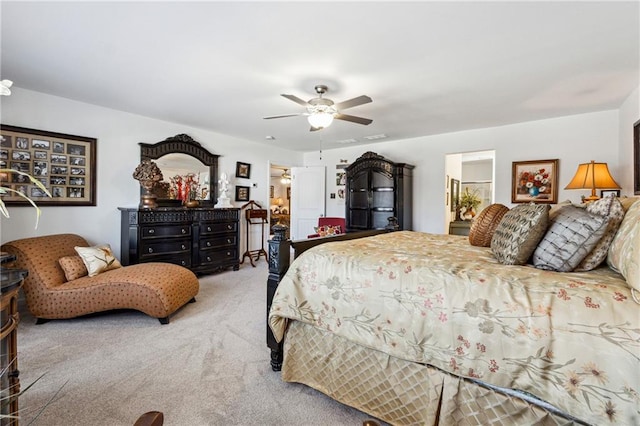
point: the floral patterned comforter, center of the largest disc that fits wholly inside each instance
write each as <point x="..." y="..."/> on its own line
<point x="571" y="339"/>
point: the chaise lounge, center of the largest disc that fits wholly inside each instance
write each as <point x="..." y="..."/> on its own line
<point x="157" y="289"/>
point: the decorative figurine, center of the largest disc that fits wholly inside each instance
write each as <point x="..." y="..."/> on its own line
<point x="223" y="199"/>
<point x="148" y="174"/>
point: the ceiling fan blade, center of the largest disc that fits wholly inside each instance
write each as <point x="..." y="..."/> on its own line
<point x="353" y="119"/>
<point x="360" y="100"/>
<point x="281" y="116"/>
<point x="296" y="100"/>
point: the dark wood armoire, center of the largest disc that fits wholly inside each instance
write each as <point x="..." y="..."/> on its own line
<point x="378" y="188"/>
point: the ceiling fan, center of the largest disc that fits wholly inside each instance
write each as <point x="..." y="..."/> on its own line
<point x="321" y="111"/>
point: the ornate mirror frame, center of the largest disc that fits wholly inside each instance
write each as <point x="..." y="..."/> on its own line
<point x="184" y="144"/>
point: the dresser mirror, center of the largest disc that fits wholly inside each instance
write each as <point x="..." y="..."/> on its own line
<point x="189" y="171"/>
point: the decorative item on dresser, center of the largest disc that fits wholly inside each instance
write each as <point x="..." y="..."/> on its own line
<point x="376" y="189"/>
<point x="148" y="174"/>
<point x="203" y="239"/>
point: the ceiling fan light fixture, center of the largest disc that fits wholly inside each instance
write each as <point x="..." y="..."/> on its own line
<point x="320" y="120"/>
<point x="285" y="179"/>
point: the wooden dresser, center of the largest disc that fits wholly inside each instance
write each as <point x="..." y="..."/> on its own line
<point x="460" y="227"/>
<point x="11" y="281"/>
<point x="203" y="239"/>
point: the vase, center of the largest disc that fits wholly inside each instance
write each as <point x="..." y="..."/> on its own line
<point x="148" y="200"/>
<point x="534" y="191"/>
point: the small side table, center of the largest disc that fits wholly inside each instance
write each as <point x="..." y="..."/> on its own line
<point x="460" y="227"/>
<point x="10" y="283"/>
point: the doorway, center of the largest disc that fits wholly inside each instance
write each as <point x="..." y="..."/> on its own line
<point x="279" y="197"/>
<point x="472" y="172"/>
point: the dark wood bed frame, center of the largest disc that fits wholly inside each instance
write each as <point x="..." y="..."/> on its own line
<point x="280" y="258"/>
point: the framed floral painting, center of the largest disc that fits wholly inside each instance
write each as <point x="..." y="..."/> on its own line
<point x="535" y="181"/>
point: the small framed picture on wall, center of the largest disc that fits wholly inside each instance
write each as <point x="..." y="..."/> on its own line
<point x="242" y="193"/>
<point x="243" y="170"/>
<point x="609" y="193"/>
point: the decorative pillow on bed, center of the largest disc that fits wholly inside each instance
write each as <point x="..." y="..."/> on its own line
<point x="326" y="230"/>
<point x="485" y="224"/>
<point x="519" y="232"/>
<point x="611" y="208"/>
<point x="624" y="253"/>
<point x="553" y="211"/>
<point x="627" y="202"/>
<point x="98" y="259"/>
<point x="73" y="267"/>
<point x="570" y="238"/>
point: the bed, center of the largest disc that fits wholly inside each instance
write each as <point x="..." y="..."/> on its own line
<point x="417" y="328"/>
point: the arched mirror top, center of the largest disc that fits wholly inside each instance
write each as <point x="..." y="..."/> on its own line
<point x="181" y="158"/>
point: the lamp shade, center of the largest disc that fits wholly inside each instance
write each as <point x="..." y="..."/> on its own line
<point x="320" y="119"/>
<point x="593" y="176"/>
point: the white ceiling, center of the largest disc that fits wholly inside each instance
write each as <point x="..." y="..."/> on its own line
<point x="430" y="67"/>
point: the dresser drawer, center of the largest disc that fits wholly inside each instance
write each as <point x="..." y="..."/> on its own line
<point x="219" y="241"/>
<point x="218" y="256"/>
<point x="208" y="228"/>
<point x="164" y="247"/>
<point x="182" y="259"/>
<point x="164" y="231"/>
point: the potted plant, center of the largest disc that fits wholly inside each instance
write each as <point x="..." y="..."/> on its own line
<point x="469" y="202"/>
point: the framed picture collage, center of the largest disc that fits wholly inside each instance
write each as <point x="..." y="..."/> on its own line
<point x="64" y="164"/>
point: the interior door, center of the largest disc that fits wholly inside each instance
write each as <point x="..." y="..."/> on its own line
<point x="307" y="199"/>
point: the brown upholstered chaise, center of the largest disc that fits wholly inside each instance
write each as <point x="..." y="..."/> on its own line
<point x="157" y="289"/>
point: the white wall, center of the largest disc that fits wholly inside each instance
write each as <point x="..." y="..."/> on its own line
<point x="118" y="154"/>
<point x="572" y="139"/>
<point x="477" y="171"/>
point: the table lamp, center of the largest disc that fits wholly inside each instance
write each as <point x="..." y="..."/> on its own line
<point x="592" y="176"/>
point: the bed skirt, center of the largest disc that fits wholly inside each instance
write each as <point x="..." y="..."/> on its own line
<point x="398" y="391"/>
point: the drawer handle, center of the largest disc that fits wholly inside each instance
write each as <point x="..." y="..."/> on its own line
<point x="183" y="263"/>
<point x="208" y="229"/>
<point x="208" y="243"/>
<point x="208" y="258"/>
<point x="184" y="247"/>
<point x="150" y="250"/>
<point x="229" y="226"/>
<point x="152" y="231"/>
<point x="228" y="254"/>
<point x="228" y="240"/>
<point x="184" y="231"/>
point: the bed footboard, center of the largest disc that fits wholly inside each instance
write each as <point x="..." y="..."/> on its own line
<point x="280" y="258"/>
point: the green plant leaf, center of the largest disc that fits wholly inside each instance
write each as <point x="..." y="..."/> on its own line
<point x="5" y="190"/>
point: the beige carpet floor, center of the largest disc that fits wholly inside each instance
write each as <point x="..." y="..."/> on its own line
<point x="209" y="366"/>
